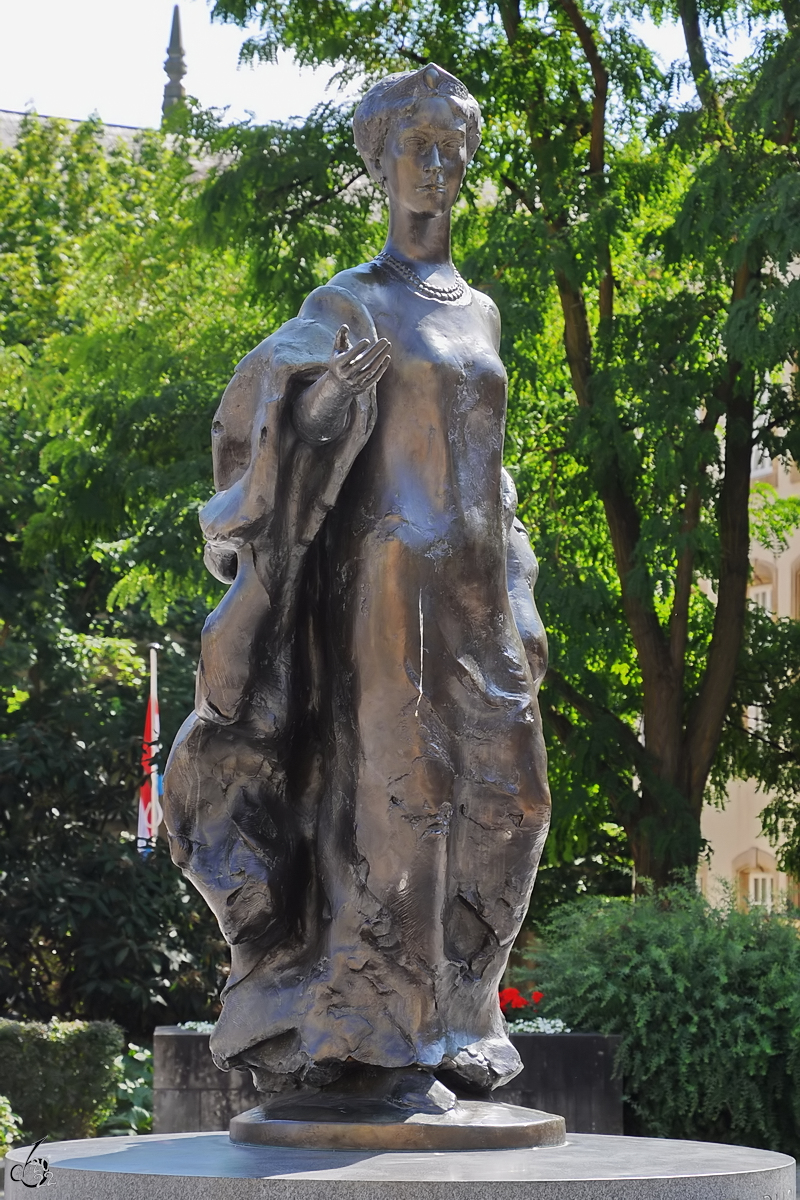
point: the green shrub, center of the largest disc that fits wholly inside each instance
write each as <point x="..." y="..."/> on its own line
<point x="10" y="1126"/>
<point x="133" y="1112"/>
<point x="707" y="1002"/>
<point x="62" y="1077"/>
<point x="90" y="929"/>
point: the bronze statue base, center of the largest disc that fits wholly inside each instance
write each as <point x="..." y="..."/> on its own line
<point x="407" y="1108"/>
<point x="468" y="1125"/>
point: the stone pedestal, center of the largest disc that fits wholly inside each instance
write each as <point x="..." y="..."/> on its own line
<point x="208" y="1166"/>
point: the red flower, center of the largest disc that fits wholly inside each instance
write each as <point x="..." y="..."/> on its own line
<point x="512" y="998"/>
<point x="536" y="996"/>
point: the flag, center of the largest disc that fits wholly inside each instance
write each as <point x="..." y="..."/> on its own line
<point x="150" y="811"/>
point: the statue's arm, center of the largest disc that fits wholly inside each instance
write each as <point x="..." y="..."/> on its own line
<point x="321" y="410"/>
<point x="236" y="513"/>
<point x="273" y="379"/>
<point x="522" y="571"/>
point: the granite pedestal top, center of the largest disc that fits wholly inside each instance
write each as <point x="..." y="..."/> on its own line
<point x="199" y="1166"/>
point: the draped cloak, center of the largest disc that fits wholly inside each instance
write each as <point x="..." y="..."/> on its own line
<point x="250" y="770"/>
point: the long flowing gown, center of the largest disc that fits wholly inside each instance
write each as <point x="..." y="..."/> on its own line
<point x="361" y="793"/>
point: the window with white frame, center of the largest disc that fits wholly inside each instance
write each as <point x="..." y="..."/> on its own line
<point x="761" y="595"/>
<point x="760" y="889"/>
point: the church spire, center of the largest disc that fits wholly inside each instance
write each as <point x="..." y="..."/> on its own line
<point x="175" y="66"/>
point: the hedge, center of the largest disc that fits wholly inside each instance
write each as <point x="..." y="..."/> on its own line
<point x="61" y="1078"/>
<point x="707" y="1001"/>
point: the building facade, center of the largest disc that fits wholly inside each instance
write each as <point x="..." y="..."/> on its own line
<point x="741" y="857"/>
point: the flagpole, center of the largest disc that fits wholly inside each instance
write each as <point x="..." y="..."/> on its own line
<point x="150" y="811"/>
<point x="156" y="812"/>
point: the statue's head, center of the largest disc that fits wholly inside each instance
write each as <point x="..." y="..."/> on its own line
<point x="416" y="132"/>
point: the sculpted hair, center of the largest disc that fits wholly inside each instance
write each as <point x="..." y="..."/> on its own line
<point x="396" y="95"/>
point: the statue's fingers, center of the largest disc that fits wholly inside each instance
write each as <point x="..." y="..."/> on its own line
<point x="366" y="381"/>
<point x="346" y="357"/>
<point x="342" y="340"/>
<point x="369" y="356"/>
<point x="379" y="350"/>
<point x="382" y="344"/>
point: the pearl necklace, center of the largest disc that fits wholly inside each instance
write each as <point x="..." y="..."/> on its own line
<point x="408" y="275"/>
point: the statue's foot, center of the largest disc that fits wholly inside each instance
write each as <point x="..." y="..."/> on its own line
<point x="375" y="1093"/>
<point x="414" y="1089"/>
<point x="483" y="1066"/>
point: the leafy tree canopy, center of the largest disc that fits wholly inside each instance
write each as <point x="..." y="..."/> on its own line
<point x="118" y="334"/>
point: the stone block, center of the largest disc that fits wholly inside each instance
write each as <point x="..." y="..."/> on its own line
<point x="571" y="1074"/>
<point x="176" y="1110"/>
<point x="190" y="1094"/>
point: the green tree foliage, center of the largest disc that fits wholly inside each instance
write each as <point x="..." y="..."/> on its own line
<point x="705" y="1000"/>
<point x="268" y="199"/>
<point x="638" y="230"/>
<point x="117" y="334"/>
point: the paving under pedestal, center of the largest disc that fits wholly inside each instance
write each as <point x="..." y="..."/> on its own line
<point x="208" y="1166"/>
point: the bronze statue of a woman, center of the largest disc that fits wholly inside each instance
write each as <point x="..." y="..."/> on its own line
<point x="361" y="792"/>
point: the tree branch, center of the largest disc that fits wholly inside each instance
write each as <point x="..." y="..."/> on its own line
<point x="679" y="617"/>
<point x="517" y="191"/>
<point x="597" y="145"/>
<point x="562" y="727"/>
<point x="620" y="509"/>
<point x="791" y="13"/>
<point x="708" y="712"/>
<point x="698" y="60"/>
<point x="421" y="59"/>
<point x="615" y="787"/>
<point x="577" y="337"/>
<point x="690" y="519"/>
<point x="593" y="712"/>
<point x="662" y="691"/>
<point x="511" y="17"/>
<point x="600" y="77"/>
<point x="302" y="210"/>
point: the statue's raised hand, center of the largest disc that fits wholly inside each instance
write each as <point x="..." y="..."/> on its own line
<point x="354" y="369"/>
<point x="320" y="412"/>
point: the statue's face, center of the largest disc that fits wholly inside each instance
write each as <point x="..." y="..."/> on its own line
<point x="425" y="157"/>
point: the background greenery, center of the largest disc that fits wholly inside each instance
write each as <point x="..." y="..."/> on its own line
<point x="133" y="1112"/>
<point x="706" y="1001"/>
<point x="118" y="334"/>
<point x="62" y="1077"/>
<point x="10" y="1125"/>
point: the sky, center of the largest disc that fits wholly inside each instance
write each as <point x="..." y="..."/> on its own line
<point x="70" y="58"/>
